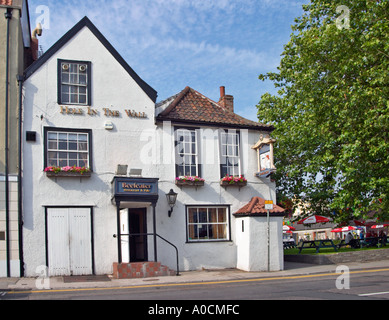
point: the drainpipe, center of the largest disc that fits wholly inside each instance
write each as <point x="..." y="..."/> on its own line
<point x="8" y="16"/>
<point x="20" y="80"/>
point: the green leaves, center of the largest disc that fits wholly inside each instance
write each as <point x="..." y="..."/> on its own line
<point x="332" y="113"/>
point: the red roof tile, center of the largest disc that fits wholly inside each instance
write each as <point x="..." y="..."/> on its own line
<point x="190" y="106"/>
<point x="257" y="206"/>
<point x="6" y="2"/>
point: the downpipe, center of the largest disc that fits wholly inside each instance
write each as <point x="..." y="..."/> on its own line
<point x="8" y="17"/>
<point x="20" y="80"/>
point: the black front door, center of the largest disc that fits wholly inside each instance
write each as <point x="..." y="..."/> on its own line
<point x="138" y="244"/>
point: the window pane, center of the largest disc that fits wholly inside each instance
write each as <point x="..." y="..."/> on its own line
<point x="212" y="215"/>
<point x="203" y="231"/>
<point x="65" y="78"/>
<point x="63" y="146"/>
<point x="83" y="146"/>
<point x="73" y="156"/>
<point x="222" y="231"/>
<point x="73" y="78"/>
<point x="192" y="215"/>
<point x="193" y="232"/>
<point x="212" y="231"/>
<point x="203" y="216"/>
<point x="180" y="171"/>
<point x="222" y="215"/>
<point x="82" y="99"/>
<point x="53" y="145"/>
<point x="52" y="159"/>
<point x="82" y="79"/>
<point x="82" y="137"/>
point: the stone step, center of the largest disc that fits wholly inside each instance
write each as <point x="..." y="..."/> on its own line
<point x="141" y="270"/>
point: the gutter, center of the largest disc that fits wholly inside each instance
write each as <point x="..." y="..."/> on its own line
<point x="20" y="80"/>
<point x="8" y="17"/>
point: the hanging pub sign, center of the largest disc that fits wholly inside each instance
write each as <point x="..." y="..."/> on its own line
<point x="265" y="156"/>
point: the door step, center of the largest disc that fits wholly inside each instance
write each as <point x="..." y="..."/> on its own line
<point x="140" y="270"/>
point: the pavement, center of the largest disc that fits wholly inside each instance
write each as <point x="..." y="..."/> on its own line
<point x="290" y="269"/>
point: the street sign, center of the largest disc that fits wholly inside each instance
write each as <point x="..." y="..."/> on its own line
<point x="268" y="204"/>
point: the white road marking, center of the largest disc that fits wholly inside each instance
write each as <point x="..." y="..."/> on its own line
<point x="372" y="294"/>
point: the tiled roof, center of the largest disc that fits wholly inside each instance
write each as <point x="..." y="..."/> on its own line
<point x="190" y="106"/>
<point x="257" y="207"/>
<point x="6" y="2"/>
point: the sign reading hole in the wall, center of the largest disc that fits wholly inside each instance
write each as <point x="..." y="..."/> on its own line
<point x="2" y="235"/>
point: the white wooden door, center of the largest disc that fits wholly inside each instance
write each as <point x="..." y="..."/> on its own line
<point x="69" y="241"/>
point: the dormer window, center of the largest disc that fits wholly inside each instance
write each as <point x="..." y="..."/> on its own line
<point x="74" y="82"/>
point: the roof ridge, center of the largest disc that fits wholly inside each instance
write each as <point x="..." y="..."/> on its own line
<point x="253" y="202"/>
<point x="175" y="101"/>
<point x="191" y="106"/>
<point x="212" y="101"/>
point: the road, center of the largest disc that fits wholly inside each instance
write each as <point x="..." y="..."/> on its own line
<point x="357" y="285"/>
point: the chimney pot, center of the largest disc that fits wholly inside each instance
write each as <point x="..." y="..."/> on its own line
<point x="222" y="91"/>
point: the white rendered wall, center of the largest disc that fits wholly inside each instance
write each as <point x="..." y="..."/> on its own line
<point x="252" y="245"/>
<point x="112" y="88"/>
<point x="140" y="144"/>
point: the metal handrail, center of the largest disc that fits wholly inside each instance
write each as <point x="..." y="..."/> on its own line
<point x="152" y="234"/>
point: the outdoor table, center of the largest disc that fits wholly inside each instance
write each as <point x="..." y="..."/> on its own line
<point x="289" y="244"/>
<point x="375" y="241"/>
<point x="343" y="243"/>
<point x="325" y="243"/>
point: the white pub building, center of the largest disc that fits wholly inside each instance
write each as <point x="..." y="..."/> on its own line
<point x="114" y="182"/>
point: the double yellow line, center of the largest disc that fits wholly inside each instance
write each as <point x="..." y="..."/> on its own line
<point x="201" y="283"/>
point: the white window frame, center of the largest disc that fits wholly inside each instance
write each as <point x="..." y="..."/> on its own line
<point x="64" y="143"/>
<point x="187" y="152"/>
<point x="197" y="224"/>
<point x="74" y="77"/>
<point x="230" y="153"/>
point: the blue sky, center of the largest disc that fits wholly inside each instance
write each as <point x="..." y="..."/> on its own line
<point x="172" y="44"/>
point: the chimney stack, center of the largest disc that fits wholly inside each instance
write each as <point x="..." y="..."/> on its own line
<point x="35" y="42"/>
<point x="226" y="101"/>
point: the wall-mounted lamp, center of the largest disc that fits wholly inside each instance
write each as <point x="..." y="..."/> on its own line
<point x="171" y="200"/>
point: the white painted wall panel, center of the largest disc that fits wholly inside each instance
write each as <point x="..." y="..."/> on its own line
<point x="58" y="241"/>
<point x="80" y="241"/>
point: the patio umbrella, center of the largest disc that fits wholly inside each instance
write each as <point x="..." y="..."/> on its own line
<point x="314" y="219"/>
<point x="288" y="228"/>
<point x="379" y="226"/>
<point x="344" y="229"/>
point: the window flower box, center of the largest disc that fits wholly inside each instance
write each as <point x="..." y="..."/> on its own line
<point x="230" y="181"/>
<point x="189" y="181"/>
<point x="68" y="172"/>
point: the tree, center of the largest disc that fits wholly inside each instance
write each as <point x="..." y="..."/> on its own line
<point x="331" y="112"/>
